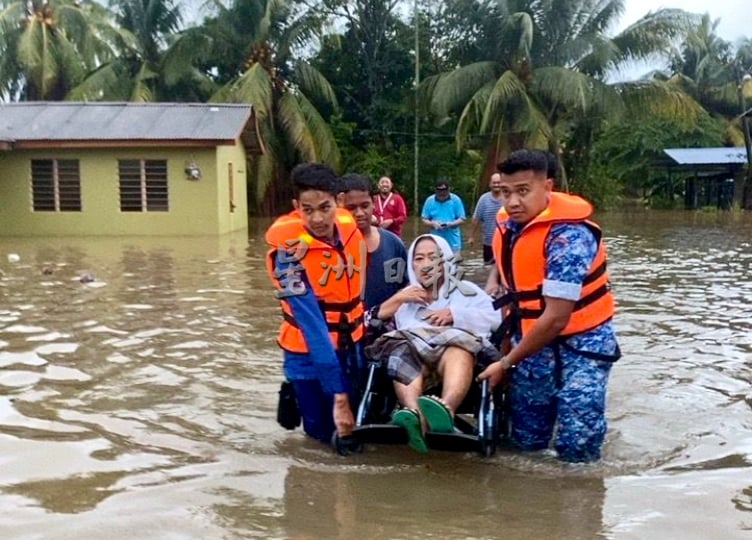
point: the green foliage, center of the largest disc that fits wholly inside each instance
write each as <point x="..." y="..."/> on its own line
<point x="437" y="157"/>
<point x="542" y="77"/>
<point x="283" y="89"/>
<point x="626" y="158"/>
<point x="371" y="68"/>
<point x="46" y="48"/>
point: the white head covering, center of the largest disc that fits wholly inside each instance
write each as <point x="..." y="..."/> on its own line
<point x="472" y="309"/>
<point x="447" y="258"/>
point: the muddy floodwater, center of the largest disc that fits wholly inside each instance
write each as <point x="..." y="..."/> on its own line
<point x="138" y="382"/>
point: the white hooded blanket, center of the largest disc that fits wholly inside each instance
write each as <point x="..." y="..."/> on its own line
<point x="417" y="343"/>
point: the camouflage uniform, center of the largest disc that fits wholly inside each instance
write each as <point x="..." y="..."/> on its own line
<point x="562" y="387"/>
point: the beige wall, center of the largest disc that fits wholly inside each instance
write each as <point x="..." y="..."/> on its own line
<point x="195" y="207"/>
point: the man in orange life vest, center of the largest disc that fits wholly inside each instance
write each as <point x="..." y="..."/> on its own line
<point x="551" y="266"/>
<point x="316" y="260"/>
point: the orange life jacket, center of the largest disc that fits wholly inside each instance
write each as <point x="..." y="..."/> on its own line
<point x="522" y="266"/>
<point x="336" y="277"/>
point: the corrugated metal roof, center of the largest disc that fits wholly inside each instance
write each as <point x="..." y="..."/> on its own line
<point x="72" y="121"/>
<point x="707" y="156"/>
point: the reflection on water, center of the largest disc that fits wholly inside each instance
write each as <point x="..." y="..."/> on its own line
<point x="138" y="381"/>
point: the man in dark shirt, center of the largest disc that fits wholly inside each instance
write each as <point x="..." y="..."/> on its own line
<point x="387" y="256"/>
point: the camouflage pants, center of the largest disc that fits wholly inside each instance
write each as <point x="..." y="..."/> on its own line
<point x="563" y="399"/>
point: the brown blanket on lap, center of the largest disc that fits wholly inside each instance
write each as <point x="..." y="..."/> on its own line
<point x="408" y="351"/>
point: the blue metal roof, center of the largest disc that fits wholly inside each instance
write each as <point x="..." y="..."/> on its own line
<point x="94" y="121"/>
<point x="708" y="156"/>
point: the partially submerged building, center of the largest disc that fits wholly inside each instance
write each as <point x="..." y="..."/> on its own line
<point x="710" y="175"/>
<point x="124" y="168"/>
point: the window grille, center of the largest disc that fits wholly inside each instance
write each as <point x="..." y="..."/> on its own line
<point x="143" y="185"/>
<point x="55" y="185"/>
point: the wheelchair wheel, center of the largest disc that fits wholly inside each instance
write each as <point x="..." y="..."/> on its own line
<point x="490" y="439"/>
<point x="488" y="422"/>
<point x="346" y="446"/>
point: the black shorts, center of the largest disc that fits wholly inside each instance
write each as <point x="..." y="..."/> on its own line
<point x="488" y="257"/>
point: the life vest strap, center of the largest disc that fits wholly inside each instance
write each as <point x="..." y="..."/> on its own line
<point x="343" y="307"/>
<point x="595" y="274"/>
<point x="341" y="327"/>
<point x="531" y="313"/>
<point x="514" y="297"/>
<point x="592" y="297"/>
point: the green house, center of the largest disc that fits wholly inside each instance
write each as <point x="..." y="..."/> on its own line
<point x="73" y="169"/>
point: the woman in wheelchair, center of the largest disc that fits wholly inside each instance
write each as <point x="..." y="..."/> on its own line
<point x="442" y="328"/>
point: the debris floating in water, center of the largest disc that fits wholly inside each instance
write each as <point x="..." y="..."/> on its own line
<point x="86" y="278"/>
<point x="14" y="257"/>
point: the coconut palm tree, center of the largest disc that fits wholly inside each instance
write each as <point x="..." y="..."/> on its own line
<point x="711" y="71"/>
<point x="546" y="75"/>
<point x="47" y="47"/>
<point x="157" y="61"/>
<point x="259" y="37"/>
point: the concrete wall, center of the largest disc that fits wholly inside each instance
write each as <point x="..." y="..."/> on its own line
<point x="195" y="207"/>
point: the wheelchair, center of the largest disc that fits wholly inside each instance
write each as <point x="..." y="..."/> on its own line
<point x="481" y="422"/>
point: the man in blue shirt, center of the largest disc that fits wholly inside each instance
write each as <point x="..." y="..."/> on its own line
<point x="387" y="257"/>
<point x="443" y="212"/>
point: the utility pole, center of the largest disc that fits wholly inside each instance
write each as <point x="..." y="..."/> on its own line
<point x="417" y="114"/>
<point x="746" y="80"/>
<point x="744" y="118"/>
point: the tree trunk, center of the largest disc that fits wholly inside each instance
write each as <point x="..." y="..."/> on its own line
<point x="740" y="189"/>
<point x="500" y="146"/>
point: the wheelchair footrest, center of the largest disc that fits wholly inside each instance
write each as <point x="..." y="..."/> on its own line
<point x="453" y="442"/>
<point x="380" y="434"/>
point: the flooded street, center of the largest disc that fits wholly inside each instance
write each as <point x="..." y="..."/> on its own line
<point x="139" y="377"/>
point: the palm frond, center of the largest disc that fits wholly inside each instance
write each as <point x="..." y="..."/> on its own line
<point x="562" y="86"/>
<point x="326" y="145"/>
<point x="142" y="89"/>
<point x="518" y="31"/>
<point x="534" y="122"/>
<point x="472" y="115"/>
<point x="659" y="98"/>
<point x="102" y="84"/>
<point x="36" y="53"/>
<point x="290" y="117"/>
<point x="254" y="86"/>
<point x="652" y="34"/>
<point x="265" y="165"/>
<point x="313" y="83"/>
<point x="508" y="92"/>
<point x="184" y="53"/>
<point x="452" y="90"/>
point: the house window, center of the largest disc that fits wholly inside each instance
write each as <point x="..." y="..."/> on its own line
<point x="143" y="185"/>
<point x="55" y="185"/>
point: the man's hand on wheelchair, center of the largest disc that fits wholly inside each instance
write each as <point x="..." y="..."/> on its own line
<point x="343" y="416"/>
<point x="496" y="371"/>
